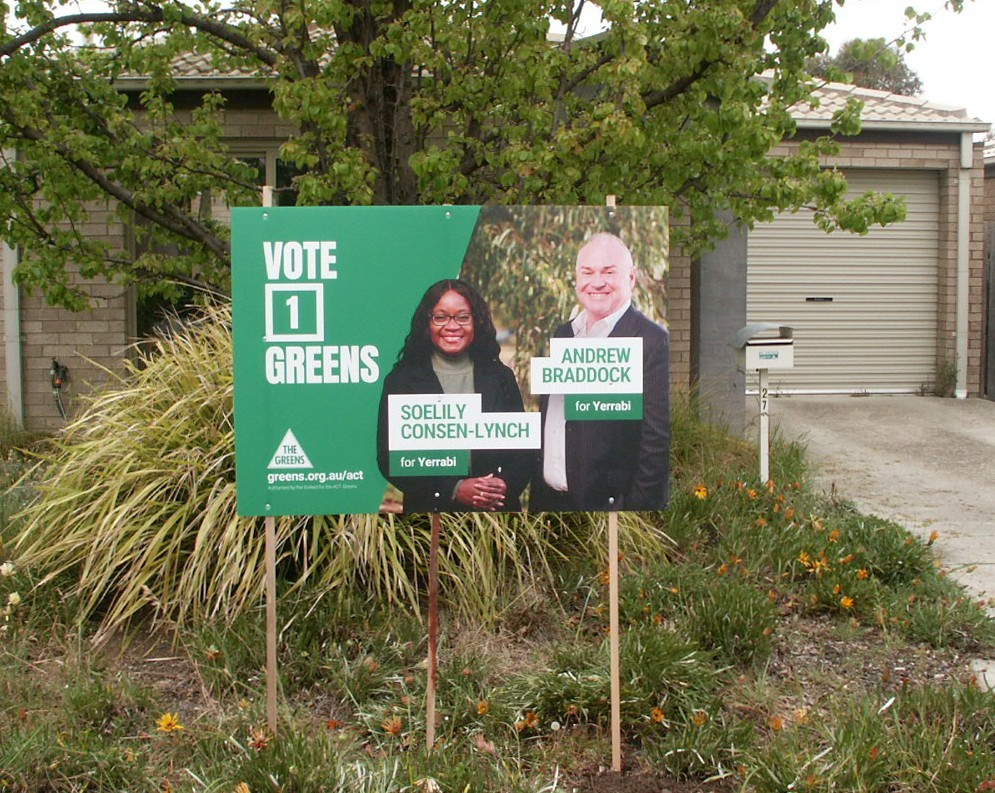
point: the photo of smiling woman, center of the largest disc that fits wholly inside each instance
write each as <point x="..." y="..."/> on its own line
<point x="452" y="348"/>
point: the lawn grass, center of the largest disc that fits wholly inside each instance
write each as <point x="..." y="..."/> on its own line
<point x="773" y="639"/>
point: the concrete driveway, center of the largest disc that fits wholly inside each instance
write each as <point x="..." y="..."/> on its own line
<point x="925" y="462"/>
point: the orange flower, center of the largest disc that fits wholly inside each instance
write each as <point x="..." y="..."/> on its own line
<point x="933" y="537"/>
<point x="482" y="707"/>
<point x="834" y="535"/>
<point x="531" y="720"/>
<point x="393" y="725"/>
<point x="604" y="578"/>
<point x="751" y="493"/>
<point x="658" y="715"/>
<point x="723" y="569"/>
<point x="700" y="718"/>
<point x="168" y="722"/>
<point x="761" y="522"/>
<point x="334" y="724"/>
<point x="820" y="566"/>
<point x="846" y="602"/>
<point x="862" y="574"/>
<point x="789" y="513"/>
<point x="847" y="559"/>
<point x="776" y="723"/>
<point x="804" y="558"/>
<point x="701" y="492"/>
<point x="258" y="739"/>
<point x="837" y="589"/>
<point x="572" y="710"/>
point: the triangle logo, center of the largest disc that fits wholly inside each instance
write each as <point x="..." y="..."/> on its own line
<point x="289" y="454"/>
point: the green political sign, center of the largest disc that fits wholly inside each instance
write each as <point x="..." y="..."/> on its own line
<point x="359" y="357"/>
<point x="322" y="299"/>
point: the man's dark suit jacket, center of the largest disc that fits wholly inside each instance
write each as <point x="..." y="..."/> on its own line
<point x="620" y="464"/>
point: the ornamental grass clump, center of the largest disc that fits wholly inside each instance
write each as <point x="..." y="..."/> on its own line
<point x="136" y="501"/>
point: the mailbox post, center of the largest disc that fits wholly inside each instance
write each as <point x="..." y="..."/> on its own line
<point x="761" y="347"/>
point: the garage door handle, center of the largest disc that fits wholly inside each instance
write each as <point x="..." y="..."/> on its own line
<point x="818" y="300"/>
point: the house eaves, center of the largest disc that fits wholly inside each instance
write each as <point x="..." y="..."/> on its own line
<point x="883" y="111"/>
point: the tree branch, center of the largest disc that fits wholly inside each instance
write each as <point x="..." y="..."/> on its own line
<point x="213" y="27"/>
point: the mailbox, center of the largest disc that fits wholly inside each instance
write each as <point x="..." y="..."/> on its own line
<point x="765" y="346"/>
<point x="760" y="347"/>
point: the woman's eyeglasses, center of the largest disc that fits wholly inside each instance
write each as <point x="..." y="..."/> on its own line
<point x="441" y="320"/>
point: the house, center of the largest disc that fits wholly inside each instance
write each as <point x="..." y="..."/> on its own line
<point x="900" y="310"/>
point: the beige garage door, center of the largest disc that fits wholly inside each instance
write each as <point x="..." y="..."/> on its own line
<point x="863" y="307"/>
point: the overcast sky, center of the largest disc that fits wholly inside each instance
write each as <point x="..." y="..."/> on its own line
<point x="951" y="61"/>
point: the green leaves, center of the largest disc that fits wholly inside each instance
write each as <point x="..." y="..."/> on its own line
<point x="467" y="101"/>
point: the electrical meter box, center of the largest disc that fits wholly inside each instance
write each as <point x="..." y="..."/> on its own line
<point x="764" y="346"/>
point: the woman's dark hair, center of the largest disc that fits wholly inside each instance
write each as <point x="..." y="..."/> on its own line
<point x="418" y="345"/>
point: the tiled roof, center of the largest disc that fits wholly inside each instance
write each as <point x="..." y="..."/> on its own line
<point x="194" y="65"/>
<point x="883" y="110"/>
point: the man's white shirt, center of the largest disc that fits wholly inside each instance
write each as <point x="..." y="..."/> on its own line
<point x="554" y="440"/>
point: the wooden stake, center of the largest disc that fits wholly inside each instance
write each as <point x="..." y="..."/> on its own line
<point x="613" y="635"/>
<point x="613" y="628"/>
<point x="433" y="629"/>
<point x="270" y="523"/>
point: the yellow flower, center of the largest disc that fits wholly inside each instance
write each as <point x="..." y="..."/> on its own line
<point x="392" y="725"/>
<point x="241" y="787"/>
<point x="657" y="715"/>
<point x="846" y="602"/>
<point x="482" y="707"/>
<point x="169" y="722"/>
<point x="804" y="558"/>
<point x="751" y="493"/>
<point x="701" y="492"/>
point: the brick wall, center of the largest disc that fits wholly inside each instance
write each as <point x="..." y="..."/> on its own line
<point x="93" y="344"/>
